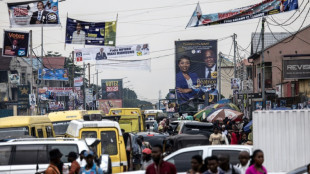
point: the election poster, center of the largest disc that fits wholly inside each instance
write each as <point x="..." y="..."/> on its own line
<point x="112" y="88"/>
<point x="78" y="81"/>
<point x="15" y="43"/>
<point x="53" y="74"/>
<point x="32" y="99"/>
<point x="106" y="105"/>
<point x="14" y="79"/>
<point x="235" y="83"/>
<point x="264" y="8"/>
<point x="34" y="13"/>
<point x="196" y="69"/>
<point x="90" y="33"/>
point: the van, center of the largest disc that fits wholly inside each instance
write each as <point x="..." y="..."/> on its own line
<point x="20" y="126"/>
<point x="30" y="155"/>
<point x="152" y="114"/>
<point x="182" y="158"/>
<point x="108" y="132"/>
<point x="95" y="112"/>
<point x="61" y="120"/>
<point x="131" y="120"/>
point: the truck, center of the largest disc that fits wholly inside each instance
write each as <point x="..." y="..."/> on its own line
<point x="284" y="137"/>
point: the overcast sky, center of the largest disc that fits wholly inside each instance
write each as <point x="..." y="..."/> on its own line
<point x="158" y="23"/>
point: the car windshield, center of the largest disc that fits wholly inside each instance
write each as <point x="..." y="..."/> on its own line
<point x="60" y="128"/>
<point x="13" y="132"/>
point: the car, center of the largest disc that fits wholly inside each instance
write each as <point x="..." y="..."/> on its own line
<point x="29" y="155"/>
<point x="182" y="158"/>
<point x="194" y="127"/>
<point x="152" y="137"/>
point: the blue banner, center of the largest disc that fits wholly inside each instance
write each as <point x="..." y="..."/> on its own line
<point x="53" y="74"/>
<point x="90" y="33"/>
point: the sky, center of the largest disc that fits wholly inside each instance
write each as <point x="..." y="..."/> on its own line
<point x="159" y="23"/>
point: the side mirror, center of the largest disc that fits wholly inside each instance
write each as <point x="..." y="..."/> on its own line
<point x="106" y="164"/>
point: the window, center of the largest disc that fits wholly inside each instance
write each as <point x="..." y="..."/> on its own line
<point x="30" y="154"/>
<point x="5" y="154"/>
<point x="60" y="128"/>
<point x="89" y="134"/>
<point x="33" y="131"/>
<point x="49" y="131"/>
<point x="40" y="133"/>
<point x="182" y="161"/>
<point x="108" y="142"/>
<point x="233" y="154"/>
<point x="65" y="149"/>
<point x="14" y="132"/>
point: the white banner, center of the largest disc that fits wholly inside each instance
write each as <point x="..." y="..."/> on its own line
<point x="144" y="64"/>
<point x="78" y="81"/>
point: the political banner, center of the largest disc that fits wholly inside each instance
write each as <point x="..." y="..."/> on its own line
<point x="106" y="105"/>
<point x="114" y="53"/>
<point x="53" y="74"/>
<point x="34" y="13"/>
<point x="264" y="8"/>
<point x="14" y="79"/>
<point x="196" y="68"/>
<point x="56" y="105"/>
<point x="78" y="81"/>
<point x="89" y="95"/>
<point x="112" y="88"/>
<point x="15" y="43"/>
<point x="90" y="33"/>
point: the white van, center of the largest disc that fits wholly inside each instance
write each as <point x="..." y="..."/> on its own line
<point x="182" y="158"/>
<point x="29" y="155"/>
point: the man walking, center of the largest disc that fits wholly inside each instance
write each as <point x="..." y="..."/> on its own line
<point x="216" y="138"/>
<point x="244" y="158"/>
<point x="91" y="167"/>
<point x="55" y="156"/>
<point x="75" y="167"/>
<point x="226" y="167"/>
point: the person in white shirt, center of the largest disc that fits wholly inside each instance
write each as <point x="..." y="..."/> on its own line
<point x="82" y="160"/>
<point x="78" y="36"/>
<point x="244" y="158"/>
<point x="210" y="65"/>
<point x="39" y="17"/>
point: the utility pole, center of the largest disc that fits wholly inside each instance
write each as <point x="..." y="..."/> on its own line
<point x="97" y="96"/>
<point x="219" y="76"/>
<point x="235" y="65"/>
<point x="73" y="87"/>
<point x="84" y="86"/>
<point x="31" y="74"/>
<point x="88" y="74"/>
<point x="263" y="65"/>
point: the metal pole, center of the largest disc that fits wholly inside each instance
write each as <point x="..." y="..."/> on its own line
<point x="41" y="67"/>
<point x="84" y="86"/>
<point x="235" y="65"/>
<point x="220" y="77"/>
<point x="88" y="74"/>
<point x="73" y="88"/>
<point x="97" y="96"/>
<point x="31" y="74"/>
<point x="263" y="65"/>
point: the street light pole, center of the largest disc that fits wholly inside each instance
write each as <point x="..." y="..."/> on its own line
<point x="263" y="65"/>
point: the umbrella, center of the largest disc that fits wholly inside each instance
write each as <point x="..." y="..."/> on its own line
<point x="223" y="101"/>
<point x="199" y="116"/>
<point x="221" y="114"/>
<point x="247" y="127"/>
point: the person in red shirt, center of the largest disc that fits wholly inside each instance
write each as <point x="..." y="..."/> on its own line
<point x="75" y="166"/>
<point x="160" y="166"/>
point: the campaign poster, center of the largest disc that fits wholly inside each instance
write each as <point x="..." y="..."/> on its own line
<point x="264" y="8"/>
<point x="112" y="88"/>
<point x="32" y="99"/>
<point x="259" y="105"/>
<point x="195" y="67"/>
<point x="15" y="43"/>
<point x="235" y="83"/>
<point x="78" y="81"/>
<point x="268" y="105"/>
<point x="53" y="74"/>
<point x="90" y="33"/>
<point x="14" y="79"/>
<point x="34" y="13"/>
<point x="106" y="105"/>
<point x="114" y="53"/>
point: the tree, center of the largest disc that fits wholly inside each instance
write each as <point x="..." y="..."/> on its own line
<point x="130" y="99"/>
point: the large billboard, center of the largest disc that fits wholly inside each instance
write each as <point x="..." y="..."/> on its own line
<point x="112" y="88"/>
<point x="296" y="69"/>
<point x="53" y="74"/>
<point x="196" y="68"/>
<point x="265" y="8"/>
<point x="34" y="13"/>
<point x="15" y="43"/>
<point x="106" y="105"/>
<point x="90" y="33"/>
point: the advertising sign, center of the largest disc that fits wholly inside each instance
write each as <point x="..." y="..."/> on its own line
<point x="90" y="33"/>
<point x="296" y="69"/>
<point x="53" y="74"/>
<point x="196" y="68"/>
<point x="32" y="99"/>
<point x="112" y="88"/>
<point x="265" y="8"/>
<point x="106" y="105"/>
<point x="23" y="92"/>
<point x="78" y="81"/>
<point x="15" y="43"/>
<point x="89" y="95"/>
<point x="34" y="13"/>
<point x="235" y="83"/>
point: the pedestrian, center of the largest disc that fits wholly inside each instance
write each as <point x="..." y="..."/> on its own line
<point x="82" y="161"/>
<point x="234" y="135"/>
<point x="224" y="135"/>
<point x="212" y="164"/>
<point x="160" y="166"/>
<point x="55" y="156"/>
<point x="137" y="154"/>
<point x="256" y="163"/>
<point x="216" y="137"/>
<point x="145" y="144"/>
<point x="244" y="139"/>
<point x="225" y="166"/>
<point x="308" y="168"/>
<point x="75" y="166"/>
<point x="155" y="126"/>
<point x="244" y="159"/>
<point x="196" y="164"/>
<point x="147" y="158"/>
<point x="91" y="167"/>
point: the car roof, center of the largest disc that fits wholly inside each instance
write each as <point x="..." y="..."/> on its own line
<point x="198" y="123"/>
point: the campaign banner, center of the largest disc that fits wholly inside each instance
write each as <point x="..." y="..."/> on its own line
<point x="264" y="8"/>
<point x="196" y="68"/>
<point x="106" y="105"/>
<point x="53" y="74"/>
<point x="34" y="13"/>
<point x="112" y="88"/>
<point x="53" y="92"/>
<point x="296" y="69"/>
<point x="90" y="33"/>
<point x="89" y="95"/>
<point x="114" y="53"/>
<point x="15" y="43"/>
<point x="14" y="79"/>
<point x="56" y="105"/>
<point x="235" y="83"/>
<point x="32" y="99"/>
<point x="78" y="81"/>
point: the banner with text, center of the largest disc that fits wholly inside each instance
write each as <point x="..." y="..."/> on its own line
<point x="265" y="8"/>
<point x="112" y="88"/>
<point x="196" y="61"/>
<point x="296" y="69"/>
<point x="53" y="74"/>
<point x="90" y="33"/>
<point x="15" y="43"/>
<point x="78" y="81"/>
<point x="34" y="13"/>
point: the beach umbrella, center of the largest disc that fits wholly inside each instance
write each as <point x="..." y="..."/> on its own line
<point x="205" y="112"/>
<point x="221" y="114"/>
<point x="223" y="101"/>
